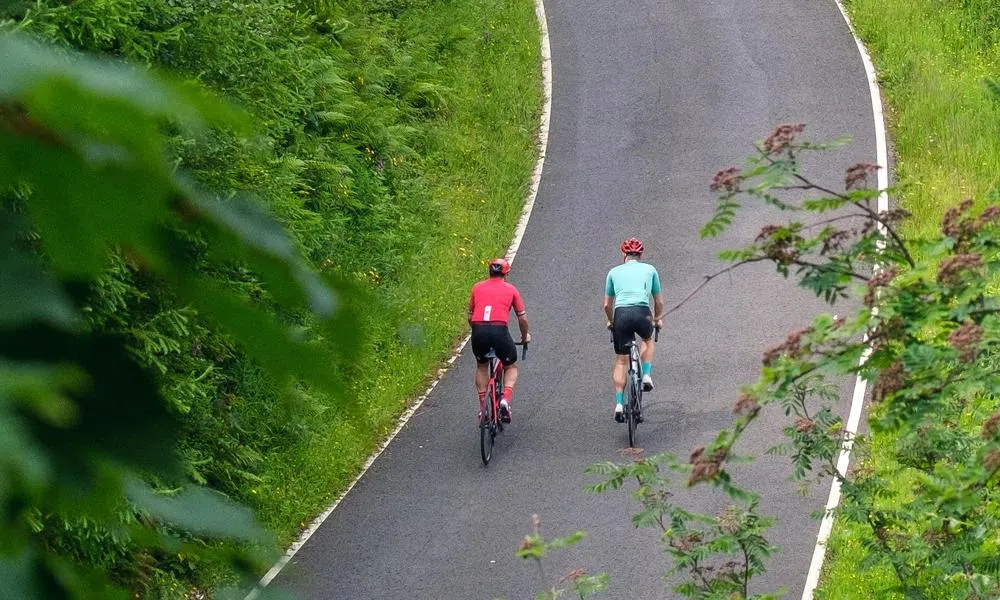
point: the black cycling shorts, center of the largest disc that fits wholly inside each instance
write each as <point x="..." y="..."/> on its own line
<point x="486" y="336"/>
<point x="629" y="321"/>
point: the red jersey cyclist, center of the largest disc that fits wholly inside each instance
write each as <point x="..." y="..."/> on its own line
<point x="489" y="311"/>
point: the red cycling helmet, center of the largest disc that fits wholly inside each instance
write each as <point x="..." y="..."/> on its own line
<point x="632" y="246"/>
<point x="499" y="266"/>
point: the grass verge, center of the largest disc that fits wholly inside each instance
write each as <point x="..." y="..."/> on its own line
<point x="477" y="160"/>
<point x="933" y="59"/>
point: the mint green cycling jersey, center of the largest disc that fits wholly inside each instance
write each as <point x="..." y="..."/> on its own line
<point x="631" y="283"/>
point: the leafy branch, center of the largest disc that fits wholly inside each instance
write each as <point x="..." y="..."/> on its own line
<point x="535" y="548"/>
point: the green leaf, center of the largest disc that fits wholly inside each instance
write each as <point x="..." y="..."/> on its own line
<point x="28" y="292"/>
<point x="570" y="540"/>
<point x="120" y="414"/>
<point x="271" y="344"/>
<point x="34" y="74"/>
<point x="197" y="510"/>
<point x="258" y="238"/>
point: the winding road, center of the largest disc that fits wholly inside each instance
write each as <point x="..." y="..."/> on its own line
<point x="650" y="98"/>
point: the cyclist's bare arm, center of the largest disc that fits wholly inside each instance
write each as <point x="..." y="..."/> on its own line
<point x="609" y="307"/>
<point x="522" y="322"/>
<point x="658" y="310"/>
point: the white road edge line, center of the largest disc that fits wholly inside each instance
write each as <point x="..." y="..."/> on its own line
<point x="860" y="386"/>
<point x="522" y="224"/>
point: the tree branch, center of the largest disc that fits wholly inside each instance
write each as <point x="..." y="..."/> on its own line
<point x="874" y="215"/>
<point x="708" y="278"/>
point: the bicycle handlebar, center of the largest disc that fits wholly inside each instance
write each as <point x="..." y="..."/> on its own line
<point x="524" y="348"/>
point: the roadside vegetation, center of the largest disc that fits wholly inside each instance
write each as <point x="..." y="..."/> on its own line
<point x="392" y="140"/>
<point x="935" y="61"/>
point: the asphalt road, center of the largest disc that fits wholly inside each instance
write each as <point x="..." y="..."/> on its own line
<point x="650" y="98"/>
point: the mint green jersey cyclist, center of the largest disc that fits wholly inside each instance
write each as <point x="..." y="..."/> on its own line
<point x="631" y="283"/>
<point x="627" y="292"/>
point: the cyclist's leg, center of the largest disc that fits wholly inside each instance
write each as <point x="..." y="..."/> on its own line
<point x="480" y="348"/>
<point x="509" y="381"/>
<point x="622" y="333"/>
<point x="506" y="351"/>
<point x="482" y="376"/>
<point x="618" y="372"/>
<point x="644" y="327"/>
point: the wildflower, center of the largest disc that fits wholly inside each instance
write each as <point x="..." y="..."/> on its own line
<point x="991" y="427"/>
<point x="705" y="468"/>
<point x="779" y="248"/>
<point x="766" y="232"/>
<point x="990" y="215"/>
<point x="881" y="279"/>
<point x="992" y="460"/>
<point x="834" y="241"/>
<point x="951" y="269"/>
<point x="804" y="425"/>
<point x="859" y="174"/>
<point x="573" y="575"/>
<point x="746" y="404"/>
<point x="894" y="215"/>
<point x="731" y="520"/>
<point x="783" y="137"/>
<point x="792" y="346"/>
<point x="727" y="179"/>
<point x="955" y="224"/>
<point x="888" y="381"/>
<point x="966" y="340"/>
<point x="686" y="542"/>
<point x="885" y="332"/>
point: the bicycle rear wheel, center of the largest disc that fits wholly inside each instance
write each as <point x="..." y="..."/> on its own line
<point x="486" y="432"/>
<point x="630" y="410"/>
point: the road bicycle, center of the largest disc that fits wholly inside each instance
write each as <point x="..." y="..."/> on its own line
<point x="633" y="386"/>
<point x="489" y="408"/>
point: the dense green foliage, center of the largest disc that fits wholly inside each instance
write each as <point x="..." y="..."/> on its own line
<point x="925" y="335"/>
<point x="392" y="139"/>
<point x="935" y="62"/>
<point x="93" y="492"/>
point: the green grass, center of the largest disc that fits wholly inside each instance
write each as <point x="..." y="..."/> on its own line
<point x="477" y="171"/>
<point x="932" y="58"/>
<point x="842" y="577"/>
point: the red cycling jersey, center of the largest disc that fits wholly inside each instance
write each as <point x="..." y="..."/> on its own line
<point x="491" y="301"/>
